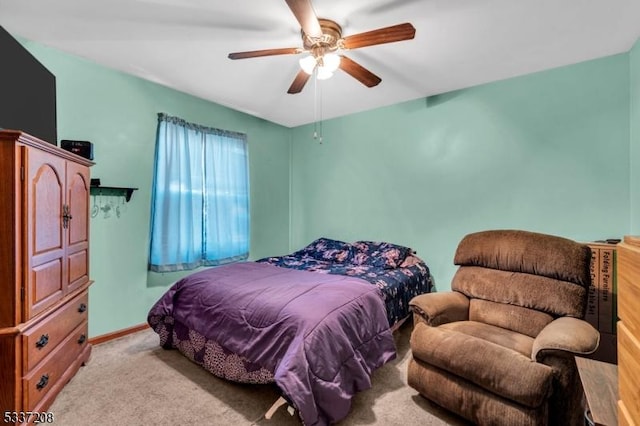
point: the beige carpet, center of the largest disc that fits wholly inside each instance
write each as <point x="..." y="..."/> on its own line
<point x="133" y="381"/>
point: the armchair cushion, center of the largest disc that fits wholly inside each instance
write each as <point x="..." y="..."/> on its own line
<point x="550" y="295"/>
<point x="566" y="334"/>
<point x="468" y="400"/>
<point x="512" y="317"/>
<point x="528" y="252"/>
<point x="498" y="335"/>
<point x="440" y="308"/>
<point x="493" y="367"/>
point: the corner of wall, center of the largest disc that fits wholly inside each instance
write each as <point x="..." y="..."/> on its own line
<point x="634" y="137"/>
<point x="290" y="133"/>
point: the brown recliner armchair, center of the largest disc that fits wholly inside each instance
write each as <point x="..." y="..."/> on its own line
<point x="499" y="348"/>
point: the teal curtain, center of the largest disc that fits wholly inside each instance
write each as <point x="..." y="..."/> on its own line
<point x="200" y="199"/>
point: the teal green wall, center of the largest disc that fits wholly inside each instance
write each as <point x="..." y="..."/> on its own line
<point x="634" y="146"/>
<point x="544" y="152"/>
<point x="547" y="152"/>
<point x="118" y="113"/>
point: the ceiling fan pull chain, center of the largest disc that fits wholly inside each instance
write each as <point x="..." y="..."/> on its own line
<point x="315" y="103"/>
<point x="320" y="107"/>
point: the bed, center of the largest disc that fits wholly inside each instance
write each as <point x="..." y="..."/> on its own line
<point x="316" y="322"/>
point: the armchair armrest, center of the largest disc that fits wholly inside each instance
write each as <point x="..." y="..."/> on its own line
<point x="566" y="334"/>
<point x="440" y="308"/>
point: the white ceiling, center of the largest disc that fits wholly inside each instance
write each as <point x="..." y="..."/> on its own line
<point x="184" y="44"/>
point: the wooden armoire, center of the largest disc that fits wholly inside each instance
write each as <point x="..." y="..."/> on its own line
<point x="44" y="270"/>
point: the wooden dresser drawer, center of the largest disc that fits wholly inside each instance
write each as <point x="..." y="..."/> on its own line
<point x="628" y="367"/>
<point x="36" y="384"/>
<point x="629" y="286"/>
<point x="42" y="339"/>
<point x="624" y="418"/>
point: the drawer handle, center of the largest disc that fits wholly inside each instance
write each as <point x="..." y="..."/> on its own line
<point x="43" y="381"/>
<point x="82" y="339"/>
<point x="82" y="308"/>
<point x="42" y="341"/>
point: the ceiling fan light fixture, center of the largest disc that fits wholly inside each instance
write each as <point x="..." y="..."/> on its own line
<point x="324" y="73"/>
<point x="308" y="64"/>
<point x="327" y="64"/>
<point x="331" y="62"/>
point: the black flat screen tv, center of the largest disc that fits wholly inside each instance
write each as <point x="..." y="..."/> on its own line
<point x="27" y="92"/>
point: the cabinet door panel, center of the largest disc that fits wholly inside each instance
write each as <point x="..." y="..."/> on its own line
<point x="78" y="266"/>
<point x="45" y="285"/>
<point x="47" y="197"/>
<point x="44" y="195"/>
<point x="78" y="229"/>
<point x="78" y="201"/>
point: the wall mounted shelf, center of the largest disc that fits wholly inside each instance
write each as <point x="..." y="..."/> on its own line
<point x="113" y="190"/>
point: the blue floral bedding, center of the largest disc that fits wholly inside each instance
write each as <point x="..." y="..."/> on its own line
<point x="395" y="270"/>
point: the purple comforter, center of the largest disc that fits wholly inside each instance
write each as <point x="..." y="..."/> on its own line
<point x="321" y="335"/>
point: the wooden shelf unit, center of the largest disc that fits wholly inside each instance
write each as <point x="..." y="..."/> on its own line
<point x="629" y="331"/>
<point x="113" y="190"/>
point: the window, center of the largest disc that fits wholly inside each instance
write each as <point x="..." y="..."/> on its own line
<point x="200" y="199"/>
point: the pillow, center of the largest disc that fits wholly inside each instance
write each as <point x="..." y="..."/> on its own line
<point x="328" y="250"/>
<point x="379" y="254"/>
<point x="410" y="260"/>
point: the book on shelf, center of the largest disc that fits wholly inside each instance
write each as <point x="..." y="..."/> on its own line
<point x="601" y="304"/>
<point x="591" y="315"/>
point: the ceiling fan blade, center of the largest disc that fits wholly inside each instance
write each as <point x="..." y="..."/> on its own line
<point x="266" y="52"/>
<point x="359" y="72"/>
<point x="391" y="34"/>
<point x="298" y="82"/>
<point x="304" y="13"/>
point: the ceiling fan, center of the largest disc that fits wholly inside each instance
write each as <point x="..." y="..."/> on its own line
<point x="322" y="38"/>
